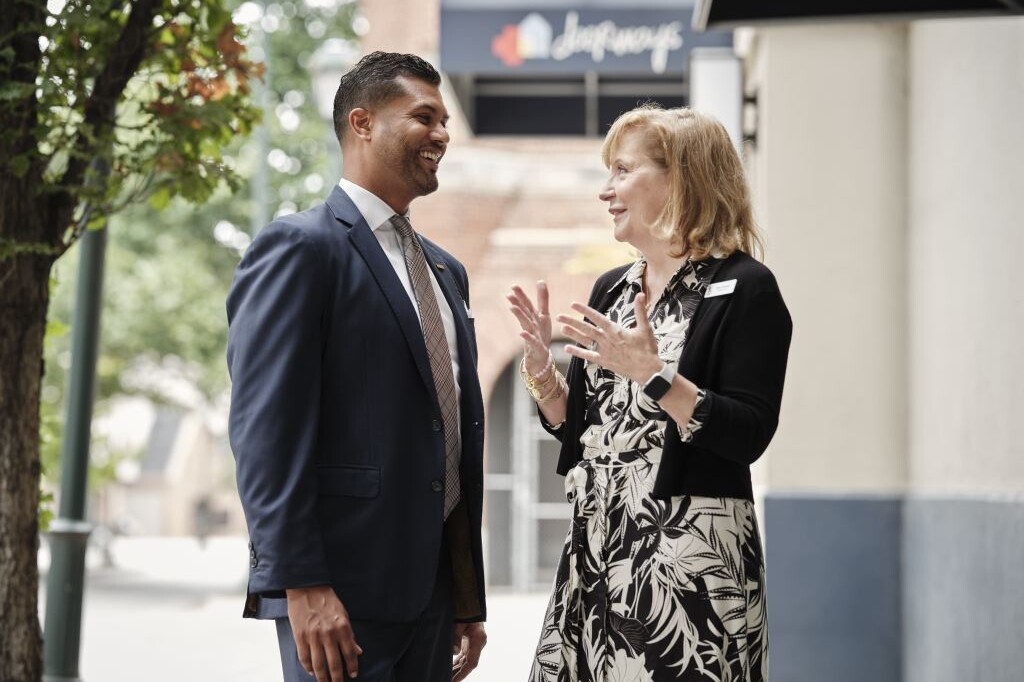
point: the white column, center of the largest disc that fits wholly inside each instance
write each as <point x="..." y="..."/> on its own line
<point x="830" y="192"/>
<point x="966" y="252"/>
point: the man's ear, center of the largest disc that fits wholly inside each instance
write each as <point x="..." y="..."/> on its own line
<point x="360" y="123"/>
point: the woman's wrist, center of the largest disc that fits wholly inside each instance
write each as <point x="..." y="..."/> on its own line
<point x="545" y="372"/>
<point x="650" y="366"/>
<point x="549" y="385"/>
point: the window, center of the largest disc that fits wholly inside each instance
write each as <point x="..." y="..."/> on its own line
<point x="571" y="105"/>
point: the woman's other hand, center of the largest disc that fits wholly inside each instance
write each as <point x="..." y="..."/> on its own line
<point x="536" y="325"/>
<point x="630" y="353"/>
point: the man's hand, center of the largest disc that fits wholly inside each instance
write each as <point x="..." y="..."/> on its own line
<point x="467" y="643"/>
<point x="323" y="633"/>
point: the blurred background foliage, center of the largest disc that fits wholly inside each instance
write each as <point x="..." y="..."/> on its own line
<point x="170" y="263"/>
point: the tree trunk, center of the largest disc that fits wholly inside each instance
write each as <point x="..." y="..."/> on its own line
<point x="24" y="296"/>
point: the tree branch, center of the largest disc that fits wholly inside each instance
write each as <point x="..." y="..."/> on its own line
<point x="101" y="108"/>
<point x="19" y="28"/>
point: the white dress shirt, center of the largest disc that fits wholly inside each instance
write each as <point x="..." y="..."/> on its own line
<point x="378" y="216"/>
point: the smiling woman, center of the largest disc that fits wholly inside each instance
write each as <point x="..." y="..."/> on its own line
<point x="673" y="391"/>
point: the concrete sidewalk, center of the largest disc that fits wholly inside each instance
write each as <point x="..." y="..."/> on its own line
<point x="170" y="611"/>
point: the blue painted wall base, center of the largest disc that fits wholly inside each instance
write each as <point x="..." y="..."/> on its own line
<point x="834" y="588"/>
<point x="894" y="588"/>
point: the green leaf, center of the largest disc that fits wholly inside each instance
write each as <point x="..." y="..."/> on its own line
<point x="97" y="222"/>
<point x="45" y="510"/>
<point x="160" y="198"/>
<point x="56" y="328"/>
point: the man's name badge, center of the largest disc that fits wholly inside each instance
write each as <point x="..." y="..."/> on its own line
<point x="720" y="288"/>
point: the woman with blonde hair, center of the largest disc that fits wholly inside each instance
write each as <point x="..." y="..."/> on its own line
<point x="673" y="390"/>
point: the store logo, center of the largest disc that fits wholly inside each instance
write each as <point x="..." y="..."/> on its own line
<point x="532" y="38"/>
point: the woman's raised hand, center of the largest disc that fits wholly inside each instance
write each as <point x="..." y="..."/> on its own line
<point x="536" y="325"/>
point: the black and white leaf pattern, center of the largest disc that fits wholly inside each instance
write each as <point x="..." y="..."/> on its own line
<point x="651" y="590"/>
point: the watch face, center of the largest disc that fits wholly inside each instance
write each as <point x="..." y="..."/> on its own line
<point x="657" y="387"/>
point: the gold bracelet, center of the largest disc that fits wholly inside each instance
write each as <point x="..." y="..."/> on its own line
<point x="557" y="392"/>
<point x="538" y="389"/>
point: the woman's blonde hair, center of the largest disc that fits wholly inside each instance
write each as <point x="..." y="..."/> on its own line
<point x="708" y="210"/>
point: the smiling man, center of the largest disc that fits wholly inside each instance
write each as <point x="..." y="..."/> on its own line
<point x="356" y="414"/>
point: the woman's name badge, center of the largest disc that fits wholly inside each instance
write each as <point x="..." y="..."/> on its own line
<point x="720" y="288"/>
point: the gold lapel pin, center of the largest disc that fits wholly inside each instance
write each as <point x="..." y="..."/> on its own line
<point x="440" y="266"/>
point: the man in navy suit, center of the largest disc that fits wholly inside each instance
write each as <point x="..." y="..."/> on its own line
<point x="358" y="448"/>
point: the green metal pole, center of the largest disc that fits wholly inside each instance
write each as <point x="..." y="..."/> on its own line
<point x="69" y="533"/>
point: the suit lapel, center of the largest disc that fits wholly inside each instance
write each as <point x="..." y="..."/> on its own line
<point x="362" y="238"/>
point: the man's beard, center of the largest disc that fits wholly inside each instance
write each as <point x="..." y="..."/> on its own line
<point x="426" y="182"/>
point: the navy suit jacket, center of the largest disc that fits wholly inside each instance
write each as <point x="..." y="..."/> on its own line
<point x="335" y="424"/>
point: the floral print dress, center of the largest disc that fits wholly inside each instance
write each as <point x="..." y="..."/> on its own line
<point x="651" y="590"/>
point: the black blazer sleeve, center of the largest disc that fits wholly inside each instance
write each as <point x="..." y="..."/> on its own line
<point x="744" y="394"/>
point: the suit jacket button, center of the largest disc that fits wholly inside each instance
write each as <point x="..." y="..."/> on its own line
<point x="436" y="486"/>
<point x="436" y="425"/>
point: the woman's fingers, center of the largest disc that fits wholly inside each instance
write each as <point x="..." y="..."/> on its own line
<point x="534" y="346"/>
<point x="522" y="300"/>
<point x="583" y="354"/>
<point x="643" y="323"/>
<point x="596" y="318"/>
<point x="542" y="297"/>
<point x="580" y="330"/>
<point x="526" y="321"/>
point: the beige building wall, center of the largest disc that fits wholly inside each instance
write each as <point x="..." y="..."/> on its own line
<point x="402" y="26"/>
<point x="888" y="172"/>
<point x="965" y="252"/>
<point x="829" y="182"/>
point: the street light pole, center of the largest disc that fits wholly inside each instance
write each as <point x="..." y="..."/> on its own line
<point x="69" y="532"/>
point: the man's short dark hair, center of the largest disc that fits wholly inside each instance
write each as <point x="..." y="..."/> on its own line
<point x="374" y="81"/>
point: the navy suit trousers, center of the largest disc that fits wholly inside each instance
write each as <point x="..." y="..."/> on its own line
<point x="418" y="651"/>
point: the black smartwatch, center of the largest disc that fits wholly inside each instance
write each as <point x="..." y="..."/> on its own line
<point x="657" y="386"/>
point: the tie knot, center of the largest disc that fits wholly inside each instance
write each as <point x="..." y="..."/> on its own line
<point x="402" y="226"/>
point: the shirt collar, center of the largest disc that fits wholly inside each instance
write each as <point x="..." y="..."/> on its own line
<point x="634" y="274"/>
<point x="374" y="209"/>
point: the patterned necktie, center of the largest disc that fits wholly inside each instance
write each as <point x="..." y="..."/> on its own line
<point x="440" y="357"/>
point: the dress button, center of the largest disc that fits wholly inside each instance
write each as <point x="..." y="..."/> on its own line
<point x="436" y="486"/>
<point x="436" y="425"/>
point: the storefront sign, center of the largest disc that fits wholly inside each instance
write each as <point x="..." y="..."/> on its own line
<point x="570" y="41"/>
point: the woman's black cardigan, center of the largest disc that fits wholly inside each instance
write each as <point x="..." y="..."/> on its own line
<point x="736" y="349"/>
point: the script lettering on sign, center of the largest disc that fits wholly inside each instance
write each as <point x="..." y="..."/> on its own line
<point x="532" y="39"/>
<point x="607" y="37"/>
